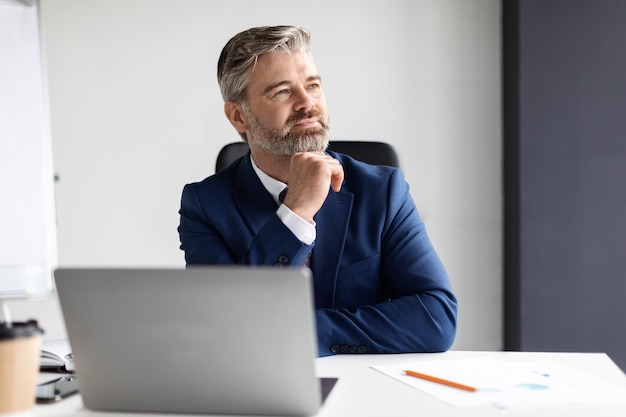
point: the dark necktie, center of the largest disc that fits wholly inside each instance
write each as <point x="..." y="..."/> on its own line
<point x="281" y="198"/>
<point x="283" y="193"/>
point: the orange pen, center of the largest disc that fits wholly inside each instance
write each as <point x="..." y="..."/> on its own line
<point x="441" y="381"/>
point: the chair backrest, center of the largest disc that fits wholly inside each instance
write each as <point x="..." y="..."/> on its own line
<point x="375" y="153"/>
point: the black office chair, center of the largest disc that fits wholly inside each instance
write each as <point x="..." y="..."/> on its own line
<point x="375" y="153"/>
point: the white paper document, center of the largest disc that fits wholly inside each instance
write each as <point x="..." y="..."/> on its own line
<point x="507" y="384"/>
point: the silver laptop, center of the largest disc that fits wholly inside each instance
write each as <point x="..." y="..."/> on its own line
<point x="211" y="340"/>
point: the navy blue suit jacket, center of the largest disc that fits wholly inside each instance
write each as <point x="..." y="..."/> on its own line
<point x="379" y="285"/>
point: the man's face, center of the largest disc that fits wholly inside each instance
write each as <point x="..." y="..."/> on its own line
<point x="286" y="108"/>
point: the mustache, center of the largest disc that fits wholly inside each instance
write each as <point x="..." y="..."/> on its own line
<point x="303" y="115"/>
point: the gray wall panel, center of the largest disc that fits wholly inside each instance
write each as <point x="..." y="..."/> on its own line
<point x="566" y="260"/>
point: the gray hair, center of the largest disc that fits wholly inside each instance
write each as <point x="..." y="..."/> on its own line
<point x="242" y="51"/>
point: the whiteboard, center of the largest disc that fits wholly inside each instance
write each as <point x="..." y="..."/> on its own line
<point x="28" y="249"/>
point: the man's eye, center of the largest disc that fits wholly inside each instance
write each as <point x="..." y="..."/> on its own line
<point x="282" y="92"/>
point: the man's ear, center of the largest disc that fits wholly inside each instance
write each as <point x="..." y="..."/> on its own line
<point x="235" y="116"/>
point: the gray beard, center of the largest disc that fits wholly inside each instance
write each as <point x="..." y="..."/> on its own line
<point x="283" y="142"/>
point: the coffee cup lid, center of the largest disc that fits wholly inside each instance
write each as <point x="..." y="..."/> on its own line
<point x="19" y="329"/>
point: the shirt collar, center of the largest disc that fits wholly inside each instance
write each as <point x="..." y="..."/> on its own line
<point x="273" y="186"/>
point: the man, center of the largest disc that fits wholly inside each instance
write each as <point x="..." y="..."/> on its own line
<point x="379" y="285"/>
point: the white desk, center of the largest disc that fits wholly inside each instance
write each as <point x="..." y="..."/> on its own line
<point x="364" y="392"/>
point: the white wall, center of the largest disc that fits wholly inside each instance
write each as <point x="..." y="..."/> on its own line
<point x="136" y="114"/>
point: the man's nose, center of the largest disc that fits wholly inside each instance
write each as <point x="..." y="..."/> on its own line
<point x="303" y="100"/>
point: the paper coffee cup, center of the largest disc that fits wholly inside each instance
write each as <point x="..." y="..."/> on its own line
<point x="20" y="345"/>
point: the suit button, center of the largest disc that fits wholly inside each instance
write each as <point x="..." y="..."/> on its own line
<point x="335" y="349"/>
<point x="362" y="349"/>
<point x="345" y="349"/>
<point x="283" y="259"/>
<point x="352" y="349"/>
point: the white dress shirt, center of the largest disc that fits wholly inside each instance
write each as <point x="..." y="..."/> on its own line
<point x="302" y="229"/>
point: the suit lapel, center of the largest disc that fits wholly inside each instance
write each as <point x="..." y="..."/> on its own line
<point x="253" y="201"/>
<point x="332" y="229"/>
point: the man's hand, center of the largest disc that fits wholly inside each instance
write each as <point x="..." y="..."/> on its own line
<point x="311" y="174"/>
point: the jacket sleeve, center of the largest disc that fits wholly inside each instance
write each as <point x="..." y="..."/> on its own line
<point x="211" y="235"/>
<point x="419" y="310"/>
